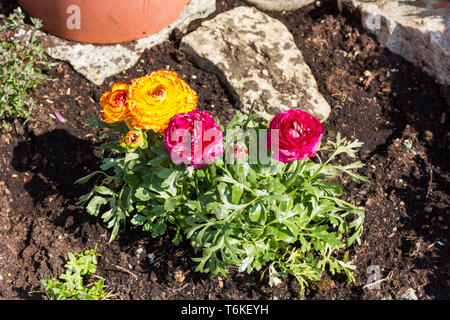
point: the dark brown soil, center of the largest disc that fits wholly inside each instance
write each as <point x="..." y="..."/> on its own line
<point x="400" y="114"/>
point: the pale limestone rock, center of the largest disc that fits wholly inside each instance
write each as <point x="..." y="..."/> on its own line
<point x="97" y="62"/>
<point x="256" y="57"/>
<point x="409" y="294"/>
<point x="279" y="5"/>
<point x="418" y="33"/>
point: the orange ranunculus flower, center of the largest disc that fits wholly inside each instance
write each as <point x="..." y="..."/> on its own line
<point x="115" y="104"/>
<point x="156" y="98"/>
<point x="134" y="138"/>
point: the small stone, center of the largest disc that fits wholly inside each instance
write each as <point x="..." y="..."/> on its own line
<point x="428" y="210"/>
<point x="280" y="5"/>
<point x="179" y="276"/>
<point x="139" y="251"/>
<point x="151" y="257"/>
<point x="409" y="294"/>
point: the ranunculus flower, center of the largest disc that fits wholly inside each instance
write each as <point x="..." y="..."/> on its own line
<point x="115" y="104"/>
<point x="194" y="138"/>
<point x="240" y="152"/>
<point x="299" y="135"/>
<point x="157" y="97"/>
<point x="134" y="138"/>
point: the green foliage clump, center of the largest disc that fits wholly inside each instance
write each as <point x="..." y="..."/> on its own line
<point x="280" y="219"/>
<point x="20" y="56"/>
<point x="79" y="268"/>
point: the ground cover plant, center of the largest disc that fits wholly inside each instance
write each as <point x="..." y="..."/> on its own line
<point x="174" y="167"/>
<point x="20" y="56"/>
<point x="74" y="281"/>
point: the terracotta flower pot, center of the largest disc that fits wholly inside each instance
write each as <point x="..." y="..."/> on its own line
<point x="104" y="21"/>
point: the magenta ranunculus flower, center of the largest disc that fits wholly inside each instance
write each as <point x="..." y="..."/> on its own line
<point x="193" y="138"/>
<point x="299" y="135"/>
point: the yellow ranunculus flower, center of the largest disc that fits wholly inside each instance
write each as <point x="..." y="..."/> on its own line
<point x="115" y="104"/>
<point x="156" y="98"/>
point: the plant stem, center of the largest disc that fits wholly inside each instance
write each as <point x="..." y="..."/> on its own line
<point x="249" y="114"/>
<point x="212" y="171"/>
<point x="295" y="174"/>
<point x="313" y="176"/>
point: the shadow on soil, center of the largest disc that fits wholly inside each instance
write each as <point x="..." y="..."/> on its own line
<point x="56" y="160"/>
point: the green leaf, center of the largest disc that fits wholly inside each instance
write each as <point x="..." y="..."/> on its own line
<point x="158" y="228"/>
<point x="93" y="208"/>
<point x="138" y="220"/>
<point x="255" y="212"/>
<point x="246" y="264"/>
<point x="109" y="163"/>
<point x="142" y="194"/>
<point x="164" y="173"/>
<point x="280" y="233"/>
<point x="130" y="156"/>
<point x="132" y="179"/>
<point x="104" y="191"/>
<point x="85" y="198"/>
<point x="170" y="204"/>
<point x="85" y="179"/>
<point x="236" y="194"/>
<point x="170" y="183"/>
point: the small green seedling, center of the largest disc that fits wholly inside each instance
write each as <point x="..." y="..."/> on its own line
<point x="78" y="270"/>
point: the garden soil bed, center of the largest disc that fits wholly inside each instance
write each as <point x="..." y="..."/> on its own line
<point x="400" y="114"/>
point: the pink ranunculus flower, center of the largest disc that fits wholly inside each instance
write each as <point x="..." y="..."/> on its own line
<point x="193" y="138"/>
<point x="240" y="152"/>
<point x="299" y="135"/>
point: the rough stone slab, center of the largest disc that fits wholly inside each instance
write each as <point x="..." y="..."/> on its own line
<point x="97" y="62"/>
<point x="256" y="57"/>
<point x="279" y="5"/>
<point x="418" y="31"/>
